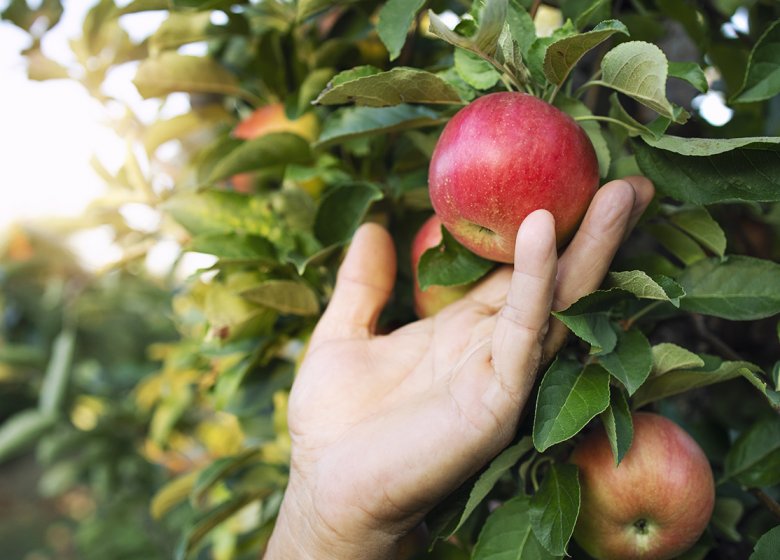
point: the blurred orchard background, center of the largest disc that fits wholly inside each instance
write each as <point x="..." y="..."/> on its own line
<point x="147" y="342"/>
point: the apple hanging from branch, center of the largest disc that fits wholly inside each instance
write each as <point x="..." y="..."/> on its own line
<point x="655" y="504"/>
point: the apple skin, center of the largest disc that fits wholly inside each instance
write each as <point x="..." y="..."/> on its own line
<point x="655" y="504"/>
<point x="502" y="157"/>
<point x="435" y="298"/>
<point x="265" y="120"/>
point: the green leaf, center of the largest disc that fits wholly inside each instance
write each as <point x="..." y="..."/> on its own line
<point x="385" y="89"/>
<point x="181" y="126"/>
<point x="737" y="288"/>
<point x="55" y="382"/>
<point x="235" y="247"/>
<point x="475" y="71"/>
<point x="171" y="72"/>
<point x="22" y="430"/>
<point x="569" y="397"/>
<point x="356" y="122"/>
<point x="677" y="242"/>
<point x="563" y="55"/>
<point x="307" y="8"/>
<point x="290" y="297"/>
<point x="342" y="210"/>
<point x="704" y="147"/>
<point x="507" y="534"/>
<point x="576" y="108"/>
<point x="669" y="357"/>
<point x="270" y="150"/>
<point x="484" y="41"/>
<point x="691" y="73"/>
<point x="682" y="380"/>
<point x="767" y="546"/>
<point x="521" y="27"/>
<point x="739" y="169"/>
<point x="726" y="516"/>
<point x="555" y="507"/>
<point x="762" y="78"/>
<point x="488" y="479"/>
<point x="618" y="424"/>
<point x="631" y="361"/>
<point x="639" y="70"/>
<point x="395" y="18"/>
<point x="181" y="28"/>
<point x="757" y="380"/>
<point x="754" y="458"/>
<point x="594" y="328"/>
<point x="584" y="11"/>
<point x="698" y="223"/>
<point x="644" y="286"/>
<point x="450" y="264"/>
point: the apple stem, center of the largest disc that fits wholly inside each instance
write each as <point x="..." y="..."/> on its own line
<point x="627" y="126"/>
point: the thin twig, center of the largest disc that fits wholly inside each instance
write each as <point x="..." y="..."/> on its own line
<point x="713" y="339"/>
<point x="534" y="8"/>
<point x="767" y="501"/>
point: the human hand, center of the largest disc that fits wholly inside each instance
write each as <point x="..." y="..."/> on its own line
<point x="385" y="427"/>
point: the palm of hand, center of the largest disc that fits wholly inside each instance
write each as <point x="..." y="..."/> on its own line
<point x="359" y="397"/>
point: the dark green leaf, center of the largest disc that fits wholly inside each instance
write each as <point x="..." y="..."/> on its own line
<point x="594" y="328"/>
<point x="289" y="297"/>
<point x="762" y="78"/>
<point x="555" y="507"/>
<point x="726" y="516"/>
<point x="395" y="18"/>
<point x="563" y="55"/>
<point x="737" y="288"/>
<point x="698" y="223"/>
<point x="618" y="424"/>
<point x="631" y="361"/>
<point x="355" y="122"/>
<point x="569" y="397"/>
<point x="767" y="546"/>
<point x="669" y="357"/>
<point x="754" y="459"/>
<point x="342" y="210"/>
<point x="743" y="173"/>
<point x="450" y="264"/>
<point x="488" y="479"/>
<point x="682" y="380"/>
<point x="507" y="534"/>
<point x="394" y="87"/>
<point x="270" y="150"/>
<point x="677" y="242"/>
<point x="691" y="73"/>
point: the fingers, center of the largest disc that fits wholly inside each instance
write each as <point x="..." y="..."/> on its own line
<point x="523" y="320"/>
<point x="363" y="286"/>
<point x="615" y="209"/>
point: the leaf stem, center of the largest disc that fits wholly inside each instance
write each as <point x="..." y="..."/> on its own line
<point x="628" y="323"/>
<point x="627" y="126"/>
<point x="535" y="470"/>
<point x="534" y="8"/>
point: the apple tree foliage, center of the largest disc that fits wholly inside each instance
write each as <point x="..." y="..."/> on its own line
<point x="685" y="324"/>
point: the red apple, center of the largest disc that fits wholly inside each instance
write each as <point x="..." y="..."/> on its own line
<point x="655" y="504"/>
<point x="502" y="157"/>
<point x="435" y="298"/>
<point x="268" y="119"/>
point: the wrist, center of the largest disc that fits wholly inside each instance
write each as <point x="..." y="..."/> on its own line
<point x="301" y="533"/>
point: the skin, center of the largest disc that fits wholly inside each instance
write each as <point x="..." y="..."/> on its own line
<point x="384" y="427"/>
<point x="502" y="157"/>
<point x="435" y="298"/>
<point x="655" y="504"/>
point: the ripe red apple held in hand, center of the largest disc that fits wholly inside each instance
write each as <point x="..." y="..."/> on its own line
<point x="655" y="504"/>
<point x="502" y="157"/>
<point x="435" y="298"/>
